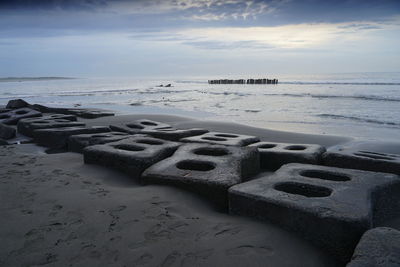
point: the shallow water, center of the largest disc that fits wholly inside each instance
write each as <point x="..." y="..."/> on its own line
<point x="363" y="105"/>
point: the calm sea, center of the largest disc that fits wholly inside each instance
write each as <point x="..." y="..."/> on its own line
<point x="362" y="105"/>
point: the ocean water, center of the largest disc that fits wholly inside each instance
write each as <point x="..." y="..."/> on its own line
<point x="361" y="105"/>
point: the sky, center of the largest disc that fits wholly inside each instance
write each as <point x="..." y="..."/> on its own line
<point x="232" y="38"/>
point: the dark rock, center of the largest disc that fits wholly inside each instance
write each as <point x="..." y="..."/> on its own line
<point x="331" y="207"/>
<point x="13" y="116"/>
<point x="77" y="143"/>
<point x="274" y="155"/>
<point x="131" y="155"/>
<point x="378" y="247"/>
<point x="57" y="137"/>
<point x="362" y="160"/>
<point x="7" y="132"/>
<point x="206" y="169"/>
<point x="28" y="126"/>
<point x="17" y="103"/>
<point x="218" y="138"/>
<point x="2" y="110"/>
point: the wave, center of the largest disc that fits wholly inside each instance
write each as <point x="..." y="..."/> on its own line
<point x="359" y="119"/>
<point x="357" y="97"/>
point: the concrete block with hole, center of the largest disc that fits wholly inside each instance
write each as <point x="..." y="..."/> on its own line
<point x="58" y="137"/>
<point x="157" y="130"/>
<point x="131" y="155"/>
<point x="28" y="126"/>
<point x="378" y="247"/>
<point x="218" y="138"/>
<point x="274" y="155"/>
<point x="76" y="143"/>
<point x="206" y="169"/>
<point x="138" y="126"/>
<point x="7" y="132"/>
<point x="362" y="160"/>
<point x="13" y="116"/>
<point x="88" y="113"/>
<point x="329" y="206"/>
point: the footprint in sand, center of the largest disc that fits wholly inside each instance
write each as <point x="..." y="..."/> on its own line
<point x="248" y="249"/>
<point x="170" y="259"/>
<point x="142" y="260"/>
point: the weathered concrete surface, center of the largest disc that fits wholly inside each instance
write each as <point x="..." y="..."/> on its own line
<point x="88" y="113"/>
<point x="138" y="126"/>
<point x="220" y="138"/>
<point x="17" y="103"/>
<point x="362" y="160"/>
<point x="28" y="126"/>
<point x="7" y="132"/>
<point x="131" y="155"/>
<point x="331" y="207"/>
<point x="57" y="137"/>
<point x="13" y="116"/>
<point x="378" y="247"/>
<point x="206" y="169"/>
<point x="274" y="155"/>
<point x="77" y="143"/>
<point x="157" y="130"/>
<point x="173" y="134"/>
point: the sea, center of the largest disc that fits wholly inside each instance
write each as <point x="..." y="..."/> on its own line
<point x="360" y="105"/>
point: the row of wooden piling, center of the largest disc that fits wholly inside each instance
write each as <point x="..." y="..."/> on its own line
<point x="243" y="81"/>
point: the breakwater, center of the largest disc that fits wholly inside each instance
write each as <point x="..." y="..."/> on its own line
<point x="244" y="81"/>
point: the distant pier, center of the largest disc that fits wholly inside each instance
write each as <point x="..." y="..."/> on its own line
<point x="244" y="81"/>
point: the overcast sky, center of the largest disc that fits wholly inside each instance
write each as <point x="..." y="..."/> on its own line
<point x="147" y="38"/>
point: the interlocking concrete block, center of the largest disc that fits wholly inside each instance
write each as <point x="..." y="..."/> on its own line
<point x="206" y="169"/>
<point x="157" y="130"/>
<point x="88" y="113"/>
<point x="173" y="134"/>
<point x="28" y="126"/>
<point x="362" y="160"/>
<point x="7" y="132"/>
<point x="378" y="247"/>
<point x="219" y="138"/>
<point x="13" y="116"/>
<point x="57" y="137"/>
<point x="77" y="143"/>
<point x="131" y="155"/>
<point x="138" y="126"/>
<point x="274" y="155"/>
<point x="332" y="207"/>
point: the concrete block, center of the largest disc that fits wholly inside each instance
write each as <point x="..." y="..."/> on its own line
<point x="206" y="169"/>
<point x="7" y="132"/>
<point x="157" y="130"/>
<point x="138" y="126"/>
<point x="77" y="143"/>
<point x="329" y="206"/>
<point x="378" y="247"/>
<point x="219" y="138"/>
<point x="57" y="137"/>
<point x="88" y="113"/>
<point x="362" y="160"/>
<point x="274" y="155"/>
<point x="28" y="126"/>
<point x="13" y="116"/>
<point x="131" y="155"/>
<point x="3" y="142"/>
<point x="173" y="134"/>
